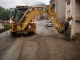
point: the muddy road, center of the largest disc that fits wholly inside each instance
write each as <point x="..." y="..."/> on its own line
<point x="46" y="44"/>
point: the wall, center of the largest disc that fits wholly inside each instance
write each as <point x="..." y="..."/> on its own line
<point x="67" y="11"/>
<point x="72" y="8"/>
<point x="1" y="25"/>
<point x="77" y="17"/>
<point x="45" y="15"/>
<point x="77" y="10"/>
<point x="38" y="17"/>
<point x="59" y="8"/>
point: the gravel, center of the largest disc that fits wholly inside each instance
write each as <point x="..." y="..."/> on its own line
<point x="46" y="44"/>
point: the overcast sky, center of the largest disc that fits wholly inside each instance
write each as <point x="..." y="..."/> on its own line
<point x="13" y="3"/>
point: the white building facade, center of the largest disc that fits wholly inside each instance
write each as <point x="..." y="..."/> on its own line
<point x="73" y="9"/>
<point x="1" y="24"/>
<point x="59" y="7"/>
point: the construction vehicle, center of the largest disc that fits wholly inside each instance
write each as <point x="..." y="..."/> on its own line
<point x="26" y="22"/>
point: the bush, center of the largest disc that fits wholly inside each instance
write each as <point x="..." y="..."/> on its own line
<point x="61" y="30"/>
<point x="6" y="25"/>
<point x="78" y="33"/>
<point x="74" y="36"/>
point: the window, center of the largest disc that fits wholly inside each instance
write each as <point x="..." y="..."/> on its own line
<point x="68" y="13"/>
<point x="68" y="2"/>
<point x="53" y="5"/>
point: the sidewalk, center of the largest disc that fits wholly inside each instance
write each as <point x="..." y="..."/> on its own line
<point x="4" y="34"/>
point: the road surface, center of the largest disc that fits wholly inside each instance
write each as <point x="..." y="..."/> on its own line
<point x="46" y="44"/>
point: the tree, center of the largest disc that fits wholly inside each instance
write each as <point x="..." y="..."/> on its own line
<point x="41" y="4"/>
<point x="3" y="13"/>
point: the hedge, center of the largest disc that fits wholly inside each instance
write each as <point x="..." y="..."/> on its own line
<point x="6" y="25"/>
<point x="4" y="29"/>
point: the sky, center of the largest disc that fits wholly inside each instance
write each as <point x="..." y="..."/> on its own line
<point x="14" y="3"/>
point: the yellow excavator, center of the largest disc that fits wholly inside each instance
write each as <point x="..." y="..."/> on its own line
<point x="22" y="18"/>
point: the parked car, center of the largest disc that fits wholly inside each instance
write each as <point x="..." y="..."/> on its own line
<point x="48" y="23"/>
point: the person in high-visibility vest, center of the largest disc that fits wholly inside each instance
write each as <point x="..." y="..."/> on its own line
<point x="21" y="14"/>
<point x="11" y="20"/>
<point x="35" y="20"/>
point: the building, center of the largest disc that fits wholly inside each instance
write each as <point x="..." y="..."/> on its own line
<point x="59" y="7"/>
<point x="73" y="9"/>
<point x="1" y="24"/>
<point x="41" y="16"/>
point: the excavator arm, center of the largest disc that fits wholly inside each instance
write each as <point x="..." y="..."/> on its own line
<point x="53" y="17"/>
<point x="50" y="12"/>
<point x="30" y="16"/>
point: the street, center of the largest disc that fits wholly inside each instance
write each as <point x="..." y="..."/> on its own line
<point x="46" y="44"/>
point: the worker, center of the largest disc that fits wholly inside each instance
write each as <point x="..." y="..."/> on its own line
<point x="66" y="28"/>
<point x="34" y="20"/>
<point x="11" y="20"/>
<point x="67" y="22"/>
<point x="47" y="22"/>
<point x="21" y="14"/>
<point x="66" y="25"/>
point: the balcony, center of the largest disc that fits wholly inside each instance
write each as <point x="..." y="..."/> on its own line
<point x="77" y="0"/>
<point x="77" y="19"/>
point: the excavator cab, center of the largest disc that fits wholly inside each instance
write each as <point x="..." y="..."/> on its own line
<point x="17" y="13"/>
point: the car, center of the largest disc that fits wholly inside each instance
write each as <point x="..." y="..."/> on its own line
<point x="48" y="23"/>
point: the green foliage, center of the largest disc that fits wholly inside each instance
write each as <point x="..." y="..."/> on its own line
<point x="74" y="36"/>
<point x="69" y="28"/>
<point x="3" y="13"/>
<point x="6" y="25"/>
<point x="41" y="4"/>
<point x="61" y="30"/>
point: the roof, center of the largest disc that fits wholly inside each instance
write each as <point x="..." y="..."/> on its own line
<point x="1" y="21"/>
